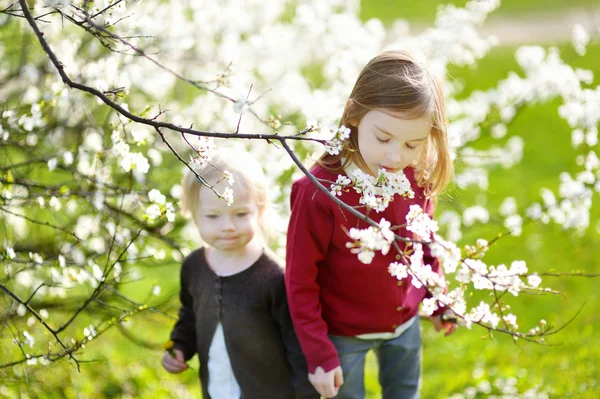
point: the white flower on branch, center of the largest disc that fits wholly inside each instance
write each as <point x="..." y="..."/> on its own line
<point x="36" y="258"/>
<point x="156" y="197"/>
<point x="153" y="212"/>
<point x="398" y="270"/>
<point x="29" y="339"/>
<point x="229" y="177"/>
<point x="240" y="106"/>
<point x="420" y="223"/>
<point x="136" y="162"/>
<point x="368" y="241"/>
<point x="170" y="212"/>
<point x="337" y="137"/>
<point x="482" y="314"/>
<point x="228" y="196"/>
<point x="90" y="332"/>
<point x="313" y="125"/>
<point x="447" y="252"/>
<point x="10" y="253"/>
<point x="377" y="192"/>
<point x="339" y="185"/>
<point x="430" y="305"/>
<point x="55" y="204"/>
<point x="534" y="280"/>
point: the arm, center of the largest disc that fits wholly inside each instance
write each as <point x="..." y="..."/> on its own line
<point x="309" y="234"/>
<point x="184" y="332"/>
<point x="295" y="357"/>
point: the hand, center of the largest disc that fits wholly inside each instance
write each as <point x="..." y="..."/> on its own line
<point x="175" y="364"/>
<point x="327" y="383"/>
<point x="440" y="325"/>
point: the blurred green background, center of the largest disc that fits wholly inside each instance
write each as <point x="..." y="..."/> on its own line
<point x="469" y="363"/>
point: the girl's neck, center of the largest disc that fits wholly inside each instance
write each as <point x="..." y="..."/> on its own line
<point x="227" y="263"/>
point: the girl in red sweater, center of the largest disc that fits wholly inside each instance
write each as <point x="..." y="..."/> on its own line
<point x="343" y="305"/>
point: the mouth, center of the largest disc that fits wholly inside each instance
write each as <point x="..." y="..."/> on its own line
<point x="391" y="170"/>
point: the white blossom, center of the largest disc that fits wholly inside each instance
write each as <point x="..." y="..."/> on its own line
<point x="29" y="339"/>
<point x="52" y="164"/>
<point x="341" y="182"/>
<point x="420" y="223"/>
<point x="580" y="39"/>
<point x="534" y="280"/>
<point x="228" y="196"/>
<point x="156" y="197"/>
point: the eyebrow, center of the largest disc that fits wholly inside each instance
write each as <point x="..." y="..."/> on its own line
<point x="391" y="135"/>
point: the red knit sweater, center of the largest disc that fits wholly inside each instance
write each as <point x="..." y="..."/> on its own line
<point x="329" y="290"/>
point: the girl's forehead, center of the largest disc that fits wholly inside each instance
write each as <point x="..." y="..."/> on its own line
<point x="394" y="124"/>
<point x="241" y="196"/>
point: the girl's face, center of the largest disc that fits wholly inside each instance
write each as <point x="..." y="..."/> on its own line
<point x="387" y="141"/>
<point x="227" y="228"/>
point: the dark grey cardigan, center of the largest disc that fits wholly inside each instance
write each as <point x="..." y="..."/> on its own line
<point x="265" y="354"/>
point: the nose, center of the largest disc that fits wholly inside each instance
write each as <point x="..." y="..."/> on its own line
<point x="394" y="154"/>
<point x="227" y="224"/>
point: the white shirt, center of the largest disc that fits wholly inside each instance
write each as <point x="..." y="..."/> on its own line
<point x="221" y="381"/>
<point x="389" y="335"/>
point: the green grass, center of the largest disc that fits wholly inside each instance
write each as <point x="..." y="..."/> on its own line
<point x="425" y="10"/>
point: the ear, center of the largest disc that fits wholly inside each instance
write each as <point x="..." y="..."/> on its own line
<point x="350" y="103"/>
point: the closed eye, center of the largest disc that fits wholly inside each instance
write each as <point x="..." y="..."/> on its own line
<point x="410" y="147"/>
<point x="241" y="214"/>
<point x="211" y="216"/>
<point x="382" y="140"/>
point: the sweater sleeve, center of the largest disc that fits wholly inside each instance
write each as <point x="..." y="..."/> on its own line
<point x="429" y="259"/>
<point x="281" y="315"/>
<point x="308" y="238"/>
<point x="184" y="332"/>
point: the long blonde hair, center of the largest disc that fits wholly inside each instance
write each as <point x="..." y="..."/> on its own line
<point x="396" y="81"/>
<point x="246" y="172"/>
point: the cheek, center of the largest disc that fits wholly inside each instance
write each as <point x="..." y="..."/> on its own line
<point x="368" y="147"/>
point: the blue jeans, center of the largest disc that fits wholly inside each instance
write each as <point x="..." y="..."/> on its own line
<point x="399" y="364"/>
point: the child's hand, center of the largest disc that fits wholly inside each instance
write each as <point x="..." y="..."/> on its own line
<point x="175" y="364"/>
<point x="327" y="384"/>
<point x="439" y="324"/>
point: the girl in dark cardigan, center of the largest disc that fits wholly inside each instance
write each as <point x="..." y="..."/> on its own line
<point x="234" y="313"/>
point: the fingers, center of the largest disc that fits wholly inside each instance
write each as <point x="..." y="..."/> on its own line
<point x="437" y="322"/>
<point x="174" y="365"/>
<point x="450" y="328"/>
<point x="338" y="377"/>
<point x="179" y="356"/>
<point x="326" y="382"/>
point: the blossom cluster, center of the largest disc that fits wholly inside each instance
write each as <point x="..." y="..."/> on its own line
<point x="376" y="192"/>
<point x="370" y="240"/>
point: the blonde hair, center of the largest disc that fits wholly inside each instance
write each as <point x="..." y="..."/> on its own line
<point x="246" y="172"/>
<point x="396" y="81"/>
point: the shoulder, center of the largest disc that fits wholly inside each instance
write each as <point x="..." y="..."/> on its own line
<point x="317" y="171"/>
<point x="270" y="265"/>
<point x="306" y="189"/>
<point x="193" y="260"/>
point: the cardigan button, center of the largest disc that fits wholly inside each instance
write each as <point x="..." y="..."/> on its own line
<point x="400" y="283"/>
<point x="399" y="308"/>
<point x="394" y="326"/>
